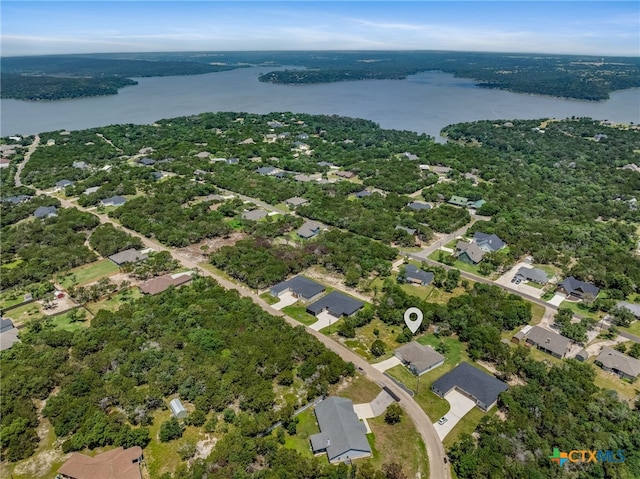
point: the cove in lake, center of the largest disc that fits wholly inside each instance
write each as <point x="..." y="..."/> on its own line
<point x="424" y="103"/>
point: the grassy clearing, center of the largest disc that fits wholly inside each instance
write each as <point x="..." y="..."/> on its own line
<point x="399" y="443"/>
<point x="466" y="425"/>
<point x="63" y="322"/>
<point x="12" y="297"/>
<point x="577" y="309"/>
<point x="87" y="273"/>
<point x="25" y="313"/>
<point x="299" y="313"/>
<point x="13" y="264"/>
<point x="306" y="427"/>
<point x="268" y="298"/>
<point x="114" y="302"/>
<point x="634" y="328"/>
<point x="626" y="390"/>
<point x="358" y="388"/>
<point x="461" y="265"/>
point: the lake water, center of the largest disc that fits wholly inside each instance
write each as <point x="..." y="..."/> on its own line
<point x="424" y="103"/>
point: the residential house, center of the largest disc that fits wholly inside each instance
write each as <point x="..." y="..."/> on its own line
<point x="325" y="164"/>
<point x="177" y="409"/>
<point x="616" y="362"/>
<point x="15" y="200"/>
<point x="417" y="276"/>
<point x="410" y="156"/>
<point x="309" y="229"/>
<point x="345" y="174"/>
<point x="483" y="388"/>
<point x="295" y="201"/>
<point x="468" y="253"/>
<point x="535" y="275"/>
<point x="45" y="212"/>
<point x="157" y="175"/>
<point x="118" y="463"/>
<point x="300" y="287"/>
<point x="114" y="201"/>
<point x="342" y="436"/>
<point x="631" y="307"/>
<point x="551" y="343"/>
<point x="4" y="163"/>
<point x="62" y="184"/>
<point x="127" y="256"/>
<point x="147" y="161"/>
<point x="576" y="289"/>
<point x="336" y="304"/>
<point x="362" y="194"/>
<point x="475" y="204"/>
<point x="419" y="359"/>
<point x="254" y="215"/>
<point x="267" y="170"/>
<point x="418" y="205"/>
<point x="409" y="231"/>
<point x="458" y="201"/>
<point x="8" y="334"/>
<point x="90" y="190"/>
<point x="488" y="243"/>
<point x="81" y="165"/>
<point x="164" y="282"/>
<point x="232" y="161"/>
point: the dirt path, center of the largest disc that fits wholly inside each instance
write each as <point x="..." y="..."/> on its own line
<point x="32" y="147"/>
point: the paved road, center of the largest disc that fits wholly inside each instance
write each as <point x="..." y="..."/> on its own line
<point x="32" y="147"/>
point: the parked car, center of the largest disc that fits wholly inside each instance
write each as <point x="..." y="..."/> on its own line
<point x="442" y="420"/>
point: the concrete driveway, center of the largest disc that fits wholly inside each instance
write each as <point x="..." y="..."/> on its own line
<point x="460" y="406"/>
<point x="522" y="287"/>
<point x="382" y="366"/>
<point x="557" y="299"/>
<point x="287" y="299"/>
<point x="324" y="319"/>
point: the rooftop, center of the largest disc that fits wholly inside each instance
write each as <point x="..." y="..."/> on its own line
<point x="299" y="285"/>
<point x="413" y="272"/>
<point x="612" y="359"/>
<point x="549" y="340"/>
<point x="162" y="283"/>
<point x="337" y="303"/>
<point x="418" y="356"/>
<point x="482" y="386"/>
<point x="127" y="256"/>
<point x="118" y="463"/>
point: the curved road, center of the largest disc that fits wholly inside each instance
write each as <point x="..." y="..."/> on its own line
<point x="32" y="147"/>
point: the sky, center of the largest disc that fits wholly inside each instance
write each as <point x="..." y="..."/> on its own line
<point x="573" y="27"/>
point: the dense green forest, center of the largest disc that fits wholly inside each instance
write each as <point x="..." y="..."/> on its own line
<point x="583" y="77"/>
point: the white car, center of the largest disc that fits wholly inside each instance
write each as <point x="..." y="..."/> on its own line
<point x="442" y="420"/>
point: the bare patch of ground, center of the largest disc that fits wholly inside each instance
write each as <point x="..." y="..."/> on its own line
<point x="204" y="447"/>
<point x="199" y="252"/>
<point x="334" y="280"/>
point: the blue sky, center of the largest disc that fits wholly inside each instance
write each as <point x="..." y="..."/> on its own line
<point x="582" y="27"/>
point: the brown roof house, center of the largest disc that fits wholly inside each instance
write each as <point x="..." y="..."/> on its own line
<point x="162" y="283"/>
<point x="118" y="463"/>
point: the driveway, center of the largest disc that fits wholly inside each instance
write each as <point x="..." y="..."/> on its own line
<point x="382" y="366"/>
<point x="557" y="299"/>
<point x="374" y="408"/>
<point x="324" y="319"/>
<point x="287" y="299"/>
<point x="522" y="287"/>
<point x="460" y="406"/>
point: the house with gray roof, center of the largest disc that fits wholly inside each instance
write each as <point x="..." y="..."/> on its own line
<point x="489" y="243"/>
<point x="418" y="205"/>
<point x="616" y="362"/>
<point x="337" y="304"/>
<point x="419" y="359"/>
<point x="130" y="255"/>
<point x="90" y="190"/>
<point x="548" y="341"/>
<point x="147" y="161"/>
<point x="325" y="164"/>
<point x="362" y="194"/>
<point x="631" y="307"/>
<point x="309" y="229"/>
<point x="576" y="289"/>
<point x="409" y="231"/>
<point x="483" y="388"/>
<point x="45" y="212"/>
<point x="267" y="170"/>
<point x="15" y="200"/>
<point x="301" y="287"/>
<point x="532" y="274"/>
<point x="81" y="165"/>
<point x="8" y="334"/>
<point x="415" y="275"/>
<point x="114" y="201"/>
<point x="295" y="201"/>
<point x="254" y="215"/>
<point x="468" y="253"/>
<point x="62" y="184"/>
<point x="342" y="435"/>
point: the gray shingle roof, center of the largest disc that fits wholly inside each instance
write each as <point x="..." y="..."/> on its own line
<point x="114" y="201"/>
<point x="363" y="193"/>
<point x="16" y="199"/>
<point x="482" y="386"/>
<point x="296" y="201"/>
<point x="579" y="288"/>
<point x="45" y="211"/>
<point x="548" y="340"/>
<point x="267" y="170"/>
<point x="337" y="303"/>
<point x="418" y="356"/>
<point x="5" y="325"/>
<point x="612" y="359"/>
<point x="410" y="231"/>
<point x="64" y="183"/>
<point x="533" y="274"/>
<point x="634" y="308"/>
<point x="412" y="272"/>
<point x="491" y="241"/>
<point x="341" y="430"/>
<point x="299" y="285"/>
<point x="254" y="215"/>
<point x="417" y="205"/>
<point x="471" y="249"/>
<point x="309" y="229"/>
<point x="127" y="256"/>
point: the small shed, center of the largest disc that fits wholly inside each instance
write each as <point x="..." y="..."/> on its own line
<point x="177" y="409"/>
<point x="582" y="356"/>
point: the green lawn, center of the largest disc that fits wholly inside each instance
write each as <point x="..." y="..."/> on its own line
<point x="299" y="313"/>
<point x="466" y="425"/>
<point x="13" y="264"/>
<point x="12" y="297"/>
<point x="305" y="428"/>
<point x="24" y="313"/>
<point x="113" y="303"/>
<point x="461" y="265"/>
<point x="634" y="328"/>
<point x="575" y="307"/>
<point x="357" y="388"/>
<point x="399" y="443"/>
<point x="63" y="322"/>
<point x="87" y="273"/>
<point x="626" y="391"/>
<point x="269" y="298"/>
